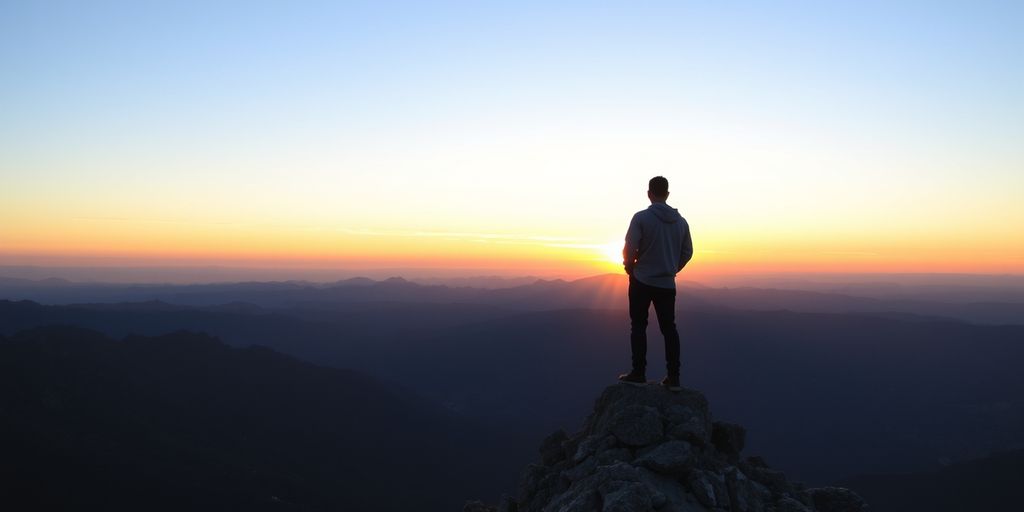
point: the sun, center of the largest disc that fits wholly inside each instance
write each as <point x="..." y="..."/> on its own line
<point x="612" y="252"/>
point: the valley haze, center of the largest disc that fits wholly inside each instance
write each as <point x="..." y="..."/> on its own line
<point x="836" y="379"/>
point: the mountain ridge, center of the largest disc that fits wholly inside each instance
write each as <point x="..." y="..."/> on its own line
<point x="606" y="291"/>
<point x="182" y="421"/>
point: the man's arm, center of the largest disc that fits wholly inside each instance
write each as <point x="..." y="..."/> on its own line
<point x="687" y="250"/>
<point x="632" y="245"/>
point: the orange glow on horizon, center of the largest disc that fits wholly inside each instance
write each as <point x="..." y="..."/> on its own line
<point x="105" y="242"/>
<point x="567" y="263"/>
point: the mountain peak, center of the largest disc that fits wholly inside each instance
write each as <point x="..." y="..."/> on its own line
<point x="645" y="449"/>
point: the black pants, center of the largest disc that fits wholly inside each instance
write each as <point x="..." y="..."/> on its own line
<point x="640" y="298"/>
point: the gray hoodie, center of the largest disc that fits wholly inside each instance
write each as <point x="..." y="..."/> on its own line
<point x="658" y="245"/>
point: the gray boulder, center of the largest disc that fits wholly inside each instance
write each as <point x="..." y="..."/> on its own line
<point x="551" y="450"/>
<point x="627" y="497"/>
<point x="709" y="488"/>
<point x="670" y="458"/>
<point x="685" y="423"/>
<point x="637" y="425"/>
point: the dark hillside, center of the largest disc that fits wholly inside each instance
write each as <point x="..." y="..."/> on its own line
<point x="183" y="421"/>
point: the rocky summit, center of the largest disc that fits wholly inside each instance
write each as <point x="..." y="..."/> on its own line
<point x="646" y="449"/>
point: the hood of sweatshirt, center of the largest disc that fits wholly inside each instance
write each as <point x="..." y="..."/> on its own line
<point x="665" y="213"/>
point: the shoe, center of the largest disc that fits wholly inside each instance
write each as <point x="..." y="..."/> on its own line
<point x="634" y="378"/>
<point x="671" y="383"/>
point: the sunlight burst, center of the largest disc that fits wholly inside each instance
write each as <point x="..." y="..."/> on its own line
<point x="612" y="252"/>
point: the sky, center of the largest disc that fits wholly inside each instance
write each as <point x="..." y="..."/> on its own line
<point x="512" y="137"/>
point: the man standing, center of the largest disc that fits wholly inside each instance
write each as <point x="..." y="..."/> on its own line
<point x="658" y="246"/>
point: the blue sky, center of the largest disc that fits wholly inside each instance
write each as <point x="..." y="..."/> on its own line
<point x="772" y="118"/>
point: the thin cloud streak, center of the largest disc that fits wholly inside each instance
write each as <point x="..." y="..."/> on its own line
<point x="461" y="235"/>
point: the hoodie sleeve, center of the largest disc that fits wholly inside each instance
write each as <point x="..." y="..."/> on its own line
<point x="687" y="250"/>
<point x="632" y="245"/>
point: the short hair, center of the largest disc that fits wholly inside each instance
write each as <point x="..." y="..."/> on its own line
<point x="658" y="186"/>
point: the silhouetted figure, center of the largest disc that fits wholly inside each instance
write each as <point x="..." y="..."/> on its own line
<point x="658" y="246"/>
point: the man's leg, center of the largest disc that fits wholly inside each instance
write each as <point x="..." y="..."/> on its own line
<point x="639" y="303"/>
<point x="665" y="309"/>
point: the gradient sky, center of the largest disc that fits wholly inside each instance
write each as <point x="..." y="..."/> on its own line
<point x="518" y="136"/>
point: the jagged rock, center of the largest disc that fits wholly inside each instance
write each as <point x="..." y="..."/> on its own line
<point x="685" y="423"/>
<point x="836" y="499"/>
<point x="587" y="491"/>
<point x="551" y="450"/>
<point x="616" y="398"/>
<point x="627" y="497"/>
<point x="507" y="504"/>
<point x="671" y="458"/>
<point x="585" y="448"/>
<point x="729" y="439"/>
<point x="757" y="470"/>
<point x="614" y="455"/>
<point x="530" y="479"/>
<point x="584" y="501"/>
<point x="668" y="493"/>
<point x="538" y="485"/>
<point x="591" y="445"/>
<point x="637" y="425"/>
<point x="645" y="449"/>
<point x="580" y="471"/>
<point x="709" y="488"/>
<point x="658" y="498"/>
<point x="745" y="495"/>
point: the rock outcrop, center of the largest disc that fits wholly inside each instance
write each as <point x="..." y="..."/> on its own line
<point x="645" y="449"/>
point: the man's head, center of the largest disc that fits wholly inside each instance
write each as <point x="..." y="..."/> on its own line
<point x="657" y="189"/>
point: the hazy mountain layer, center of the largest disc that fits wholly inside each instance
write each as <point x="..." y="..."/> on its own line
<point x="183" y="422"/>
<point x="901" y="394"/>
<point x="987" y="303"/>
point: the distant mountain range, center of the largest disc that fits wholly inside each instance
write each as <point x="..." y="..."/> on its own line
<point x="830" y="385"/>
<point x="977" y="304"/>
<point x="184" y="422"/>
<point x="902" y="393"/>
